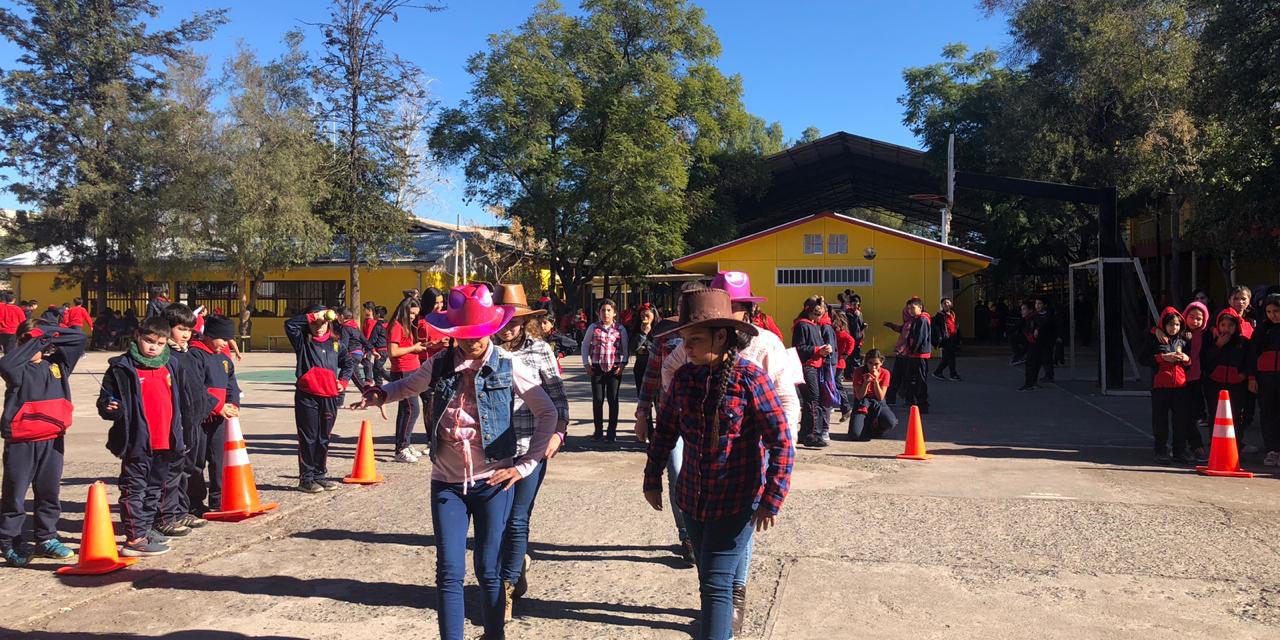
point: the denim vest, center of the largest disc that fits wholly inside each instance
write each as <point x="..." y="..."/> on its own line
<point x="494" y="399"/>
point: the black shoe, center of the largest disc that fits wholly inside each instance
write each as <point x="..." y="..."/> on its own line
<point x="844" y="416"/>
<point x="329" y="485"/>
<point x="955" y="378"/>
<point x="1187" y="458"/>
<point x="815" y="442"/>
<point x="739" y="609"/>
<point x="310" y="487"/>
<point x="938" y="375"/>
<point x="597" y="437"/>
<point x="1027" y="387"/>
<point x="1163" y="457"/>
<point x="686" y="552"/>
<point x="611" y="439"/>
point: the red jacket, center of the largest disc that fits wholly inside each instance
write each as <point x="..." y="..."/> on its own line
<point x="11" y="316"/>
<point x="844" y="348"/>
<point x="78" y="318"/>
<point x="1168" y="375"/>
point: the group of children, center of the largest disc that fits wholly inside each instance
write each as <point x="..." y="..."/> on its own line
<point x="1195" y="357"/>
<point x="167" y="397"/>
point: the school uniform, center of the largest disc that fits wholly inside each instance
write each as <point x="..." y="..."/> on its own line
<point x="77" y="318"/>
<point x="37" y="412"/>
<point x="206" y="447"/>
<point x="375" y="333"/>
<point x="357" y="347"/>
<point x="1169" y="398"/>
<point x="11" y="316"/>
<point x="195" y="401"/>
<point x="409" y="408"/>
<point x="146" y="434"/>
<point x="323" y="370"/>
<point x="919" y="349"/>
<point x="807" y="337"/>
<point x="1264" y="358"/>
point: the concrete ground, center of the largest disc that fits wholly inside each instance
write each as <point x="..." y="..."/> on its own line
<point x="1041" y="516"/>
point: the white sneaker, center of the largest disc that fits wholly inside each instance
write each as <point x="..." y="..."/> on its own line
<point x="423" y="452"/>
<point x="406" y="455"/>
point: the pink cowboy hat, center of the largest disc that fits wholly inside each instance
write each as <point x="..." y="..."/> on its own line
<point x="471" y="313"/>
<point x="738" y="284"/>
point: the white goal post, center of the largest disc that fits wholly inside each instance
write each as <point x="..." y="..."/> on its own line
<point x="1094" y="266"/>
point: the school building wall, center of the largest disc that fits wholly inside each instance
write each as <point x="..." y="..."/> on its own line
<point x="902" y="268"/>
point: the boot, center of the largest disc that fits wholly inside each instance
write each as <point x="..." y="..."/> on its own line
<point x="739" y="609"/>
<point x="507" y="596"/>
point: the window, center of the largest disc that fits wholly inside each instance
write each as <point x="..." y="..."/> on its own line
<point x="817" y="276"/>
<point x="813" y="244"/>
<point x="837" y="243"/>
<point x="221" y="296"/>
<point x="287" y="298"/>
<point x="122" y="298"/>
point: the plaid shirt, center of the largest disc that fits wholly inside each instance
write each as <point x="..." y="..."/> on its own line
<point x="606" y="346"/>
<point x="722" y="478"/>
<point x="651" y="387"/>
<point x="538" y="356"/>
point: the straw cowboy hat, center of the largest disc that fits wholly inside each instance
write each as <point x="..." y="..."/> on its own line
<point x="709" y="308"/>
<point x="512" y="295"/>
<point x="738" y="285"/>
<point x="471" y="313"/>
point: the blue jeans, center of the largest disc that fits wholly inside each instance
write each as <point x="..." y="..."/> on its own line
<point x="515" y="543"/>
<point x="451" y="513"/>
<point x="674" y="463"/>
<point x="719" y="547"/>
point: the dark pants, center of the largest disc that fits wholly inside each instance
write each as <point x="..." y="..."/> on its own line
<point x="897" y="378"/>
<point x="1170" y="405"/>
<point x="915" y="390"/>
<point x="604" y="387"/>
<point x="949" y="347"/>
<point x="814" y="417"/>
<point x="37" y="465"/>
<point x="357" y="372"/>
<point x="451" y="514"/>
<point x="1269" y="410"/>
<point x="142" y="483"/>
<point x="718" y="546"/>
<point x="515" y="542"/>
<point x="407" y="412"/>
<point x="378" y="369"/>
<point x="6" y="342"/>
<point x="877" y="421"/>
<point x="1037" y="358"/>
<point x="1237" y="393"/>
<point x="315" y="417"/>
<point x="173" y="497"/>
<point x="206" y="452"/>
<point x="637" y="371"/>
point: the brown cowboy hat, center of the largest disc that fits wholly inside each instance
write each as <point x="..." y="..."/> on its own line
<point x="710" y="308"/>
<point x="513" y="296"/>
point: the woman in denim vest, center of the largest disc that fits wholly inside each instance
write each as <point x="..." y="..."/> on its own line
<point x="473" y="447"/>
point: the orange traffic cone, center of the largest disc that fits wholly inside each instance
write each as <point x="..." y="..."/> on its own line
<point x="239" y="491"/>
<point x="365" y="470"/>
<point x="915" y="438"/>
<point x="1224" y="459"/>
<point x="97" y="539"/>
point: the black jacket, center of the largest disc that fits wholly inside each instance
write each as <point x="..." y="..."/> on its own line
<point x="378" y="335"/>
<point x="219" y="382"/>
<point x="129" y="436"/>
<point x="37" y="396"/>
<point x="920" y="337"/>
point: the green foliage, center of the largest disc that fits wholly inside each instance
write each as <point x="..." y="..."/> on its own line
<point x="82" y="127"/>
<point x="605" y="134"/>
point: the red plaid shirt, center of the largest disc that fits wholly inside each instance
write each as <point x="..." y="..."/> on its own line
<point x="605" y="346"/>
<point x="725" y="477"/>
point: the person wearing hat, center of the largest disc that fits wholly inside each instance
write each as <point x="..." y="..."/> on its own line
<point x="324" y="370"/>
<point x="205" y="448"/>
<point x="766" y="351"/>
<point x="737" y="453"/>
<point x="475" y="464"/>
<point x="521" y="337"/>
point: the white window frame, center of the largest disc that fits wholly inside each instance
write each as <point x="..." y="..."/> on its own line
<point x="838" y="244"/>
<point x="824" y="276"/>
<point x="811" y="239"/>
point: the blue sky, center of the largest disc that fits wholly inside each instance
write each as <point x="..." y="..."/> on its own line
<point x="833" y="64"/>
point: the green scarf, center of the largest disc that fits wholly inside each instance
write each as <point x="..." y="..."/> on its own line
<point x="148" y="363"/>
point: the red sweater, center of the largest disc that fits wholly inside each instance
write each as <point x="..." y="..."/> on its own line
<point x="157" y="405"/>
<point x="845" y="345"/>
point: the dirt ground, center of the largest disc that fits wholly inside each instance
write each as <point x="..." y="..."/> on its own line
<point x="1041" y="516"/>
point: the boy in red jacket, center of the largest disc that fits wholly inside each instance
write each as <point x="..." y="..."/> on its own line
<point x="323" y="370"/>
<point x="37" y="412"/>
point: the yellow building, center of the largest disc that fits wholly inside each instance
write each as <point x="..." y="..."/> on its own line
<point x="437" y="253"/>
<point x="826" y="253"/>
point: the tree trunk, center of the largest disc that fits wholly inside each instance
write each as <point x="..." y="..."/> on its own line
<point x="248" y="303"/>
<point x="354" y="303"/>
<point x="100" y="275"/>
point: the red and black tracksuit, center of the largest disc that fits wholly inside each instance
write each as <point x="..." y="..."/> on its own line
<point x="1264" y="356"/>
<point x="918" y="349"/>
<point x="947" y="335"/>
<point x="207" y="443"/>
<point x="146" y="434"/>
<point x="357" y="347"/>
<point x="375" y="333"/>
<point x="37" y="412"/>
<point x="807" y="337"/>
<point x="1227" y="368"/>
<point x="1170" y="396"/>
<point x="323" y="370"/>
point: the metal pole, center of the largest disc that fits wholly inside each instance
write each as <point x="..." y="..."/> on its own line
<point x="1071" y="316"/>
<point x="1103" y="365"/>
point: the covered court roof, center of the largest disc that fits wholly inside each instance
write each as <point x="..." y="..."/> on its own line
<point x="842" y="171"/>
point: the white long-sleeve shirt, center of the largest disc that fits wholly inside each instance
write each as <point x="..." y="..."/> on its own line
<point x="460" y="444"/>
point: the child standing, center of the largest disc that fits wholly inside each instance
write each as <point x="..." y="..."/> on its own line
<point x="1166" y="353"/>
<point x="1264" y="379"/>
<point x="175" y="506"/>
<point x="727" y="412"/>
<point x="872" y="416"/>
<point x="814" y="342"/>
<point x="205" y="449"/>
<point x="473" y="448"/>
<point x="1202" y="396"/>
<point x="946" y="334"/>
<point x="1226" y="364"/>
<point x="916" y="351"/>
<point x="37" y="412"/>
<point x="845" y="344"/>
<point x="142" y="397"/>
<point x="379" y="357"/>
<point x="604" y="354"/>
<point x="406" y="352"/>
<point x="323" y="371"/>
<point x="357" y="346"/>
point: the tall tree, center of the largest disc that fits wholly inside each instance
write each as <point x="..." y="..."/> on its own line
<point x="273" y="173"/>
<point x="80" y="112"/>
<point x="363" y="84"/>
<point x="586" y="128"/>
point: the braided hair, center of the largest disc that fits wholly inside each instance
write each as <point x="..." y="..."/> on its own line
<point x="736" y="342"/>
